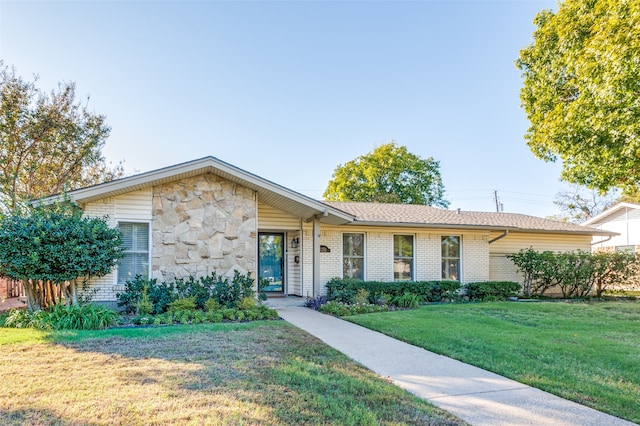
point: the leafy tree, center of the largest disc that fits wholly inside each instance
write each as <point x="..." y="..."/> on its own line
<point x="53" y="250"/>
<point x="388" y="174"/>
<point x="48" y="142"/>
<point x="582" y="88"/>
<point x="579" y="204"/>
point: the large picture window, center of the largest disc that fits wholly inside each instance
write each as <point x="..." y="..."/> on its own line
<point x="135" y="240"/>
<point x="451" y="258"/>
<point x="353" y="256"/>
<point x="403" y="257"/>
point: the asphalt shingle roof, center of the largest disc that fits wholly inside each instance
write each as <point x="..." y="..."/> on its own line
<point x="426" y="216"/>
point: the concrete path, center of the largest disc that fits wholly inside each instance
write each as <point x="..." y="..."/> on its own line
<point x="475" y="395"/>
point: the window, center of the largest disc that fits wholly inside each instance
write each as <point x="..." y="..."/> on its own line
<point x="450" y="258"/>
<point x="403" y="257"/>
<point x="135" y="240"/>
<point x="353" y="256"/>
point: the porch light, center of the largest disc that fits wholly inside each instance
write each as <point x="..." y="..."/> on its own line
<point x="295" y="242"/>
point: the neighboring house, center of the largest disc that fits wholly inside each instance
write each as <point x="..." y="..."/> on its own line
<point x="623" y="219"/>
<point x="206" y="215"/>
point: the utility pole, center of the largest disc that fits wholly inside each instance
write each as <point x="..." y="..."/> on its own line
<point x="495" y="198"/>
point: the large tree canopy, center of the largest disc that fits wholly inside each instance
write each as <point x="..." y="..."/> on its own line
<point x="48" y="143"/>
<point x="582" y="91"/>
<point x="388" y="174"/>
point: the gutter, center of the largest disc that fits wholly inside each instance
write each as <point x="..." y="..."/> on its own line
<point x="602" y="241"/>
<point x="504" y="234"/>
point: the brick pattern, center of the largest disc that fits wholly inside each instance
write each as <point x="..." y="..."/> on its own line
<point x="475" y="258"/>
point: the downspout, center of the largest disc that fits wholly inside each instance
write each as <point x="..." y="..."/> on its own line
<point x="602" y="241"/>
<point x="504" y="234"/>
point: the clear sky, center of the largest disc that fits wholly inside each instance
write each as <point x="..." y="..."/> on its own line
<point x="290" y="89"/>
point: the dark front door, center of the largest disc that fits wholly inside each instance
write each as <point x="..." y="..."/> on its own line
<point x="271" y="262"/>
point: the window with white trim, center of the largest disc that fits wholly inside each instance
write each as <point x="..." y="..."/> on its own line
<point x="135" y="240"/>
<point x="403" y="257"/>
<point x="450" y="258"/>
<point x="353" y="256"/>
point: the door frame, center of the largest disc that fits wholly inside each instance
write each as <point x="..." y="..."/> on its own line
<point x="283" y="262"/>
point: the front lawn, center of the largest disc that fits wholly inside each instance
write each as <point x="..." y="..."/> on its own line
<point x="585" y="352"/>
<point x="267" y="373"/>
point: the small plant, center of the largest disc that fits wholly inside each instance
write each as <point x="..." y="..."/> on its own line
<point x="211" y="305"/>
<point x="144" y="305"/>
<point x="361" y="297"/>
<point x="184" y="304"/>
<point x="247" y="303"/>
<point x="406" y="301"/>
<point x="316" y="302"/>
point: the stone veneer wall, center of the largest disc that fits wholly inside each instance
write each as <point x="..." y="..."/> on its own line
<point x="201" y="225"/>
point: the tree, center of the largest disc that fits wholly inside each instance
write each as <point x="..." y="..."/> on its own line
<point x="388" y="174"/>
<point x="581" y="91"/>
<point x="48" y="143"/>
<point x="579" y="204"/>
<point x="54" y="250"/>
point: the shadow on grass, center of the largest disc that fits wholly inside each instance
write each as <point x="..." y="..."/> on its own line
<point x="256" y="373"/>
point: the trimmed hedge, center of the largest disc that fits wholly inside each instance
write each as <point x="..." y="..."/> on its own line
<point x="344" y="290"/>
<point x="491" y="290"/>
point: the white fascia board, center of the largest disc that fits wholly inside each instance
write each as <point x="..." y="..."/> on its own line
<point x="207" y="164"/>
<point x="610" y="211"/>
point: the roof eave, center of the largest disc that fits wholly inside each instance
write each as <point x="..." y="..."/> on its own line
<point x="591" y="231"/>
<point x="268" y="191"/>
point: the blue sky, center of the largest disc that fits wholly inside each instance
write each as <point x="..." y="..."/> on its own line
<point x="290" y="89"/>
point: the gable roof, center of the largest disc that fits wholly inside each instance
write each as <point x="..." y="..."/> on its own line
<point x="611" y="211"/>
<point x="268" y="192"/>
<point x="431" y="217"/>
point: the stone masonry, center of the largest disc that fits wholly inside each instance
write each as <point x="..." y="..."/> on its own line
<point x="201" y="225"/>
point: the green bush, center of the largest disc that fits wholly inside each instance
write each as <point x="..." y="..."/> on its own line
<point x="62" y="317"/>
<point x="407" y="301"/>
<point x="340" y="309"/>
<point x="491" y="290"/>
<point x="228" y="294"/>
<point x="184" y="304"/>
<point x="211" y="305"/>
<point x="345" y="290"/>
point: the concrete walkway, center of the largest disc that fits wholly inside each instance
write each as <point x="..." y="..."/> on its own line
<point x="475" y="395"/>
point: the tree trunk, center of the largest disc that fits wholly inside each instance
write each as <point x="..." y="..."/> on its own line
<point x="30" y="292"/>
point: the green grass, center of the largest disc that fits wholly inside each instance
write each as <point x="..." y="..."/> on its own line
<point x="585" y="352"/>
<point x="252" y="373"/>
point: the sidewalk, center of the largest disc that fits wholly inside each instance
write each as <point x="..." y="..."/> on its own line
<point x="475" y="395"/>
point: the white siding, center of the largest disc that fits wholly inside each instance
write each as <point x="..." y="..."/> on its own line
<point x="502" y="269"/>
<point x="272" y="219"/>
<point x="133" y="206"/>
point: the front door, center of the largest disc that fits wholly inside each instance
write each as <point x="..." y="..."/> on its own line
<point x="271" y="261"/>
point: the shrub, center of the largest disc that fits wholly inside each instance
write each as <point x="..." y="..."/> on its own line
<point x="491" y="290"/>
<point x="345" y="290"/>
<point x="316" y="302"/>
<point x="62" y="317"/>
<point x="226" y="294"/>
<point x="407" y="301"/>
<point x="247" y="303"/>
<point x="184" y="304"/>
<point x="361" y="297"/>
<point x="211" y="305"/>
<point x="340" y="309"/>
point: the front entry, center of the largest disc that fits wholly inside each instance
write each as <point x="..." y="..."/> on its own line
<point x="271" y="261"/>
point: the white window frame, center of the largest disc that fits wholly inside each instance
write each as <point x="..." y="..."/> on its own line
<point x="413" y="257"/>
<point x="459" y="258"/>
<point x="149" y="245"/>
<point x="364" y="253"/>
